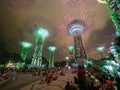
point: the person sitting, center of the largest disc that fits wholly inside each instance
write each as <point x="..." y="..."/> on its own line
<point x="68" y="86"/>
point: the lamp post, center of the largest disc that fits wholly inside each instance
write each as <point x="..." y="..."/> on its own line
<point x="51" y="60"/>
<point x="41" y="34"/>
<point x="67" y="61"/>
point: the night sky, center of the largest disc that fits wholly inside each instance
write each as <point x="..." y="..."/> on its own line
<point x="18" y="17"/>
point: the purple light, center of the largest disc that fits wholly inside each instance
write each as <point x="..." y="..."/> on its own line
<point x="76" y="27"/>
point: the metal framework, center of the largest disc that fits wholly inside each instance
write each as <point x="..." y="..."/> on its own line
<point x="76" y="27"/>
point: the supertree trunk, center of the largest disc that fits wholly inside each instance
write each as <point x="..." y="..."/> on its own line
<point x="37" y="57"/>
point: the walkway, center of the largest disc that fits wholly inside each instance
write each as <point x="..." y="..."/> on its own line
<point x="58" y="84"/>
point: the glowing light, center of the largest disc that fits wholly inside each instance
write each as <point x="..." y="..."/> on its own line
<point x="41" y="33"/>
<point x="76" y="27"/>
<point x="100" y="49"/>
<point x="109" y="67"/>
<point x="102" y="1"/>
<point x="69" y="67"/>
<point x="26" y="44"/>
<point x="52" y="48"/>
<point x="66" y="58"/>
<point x="25" y="48"/>
<point x="70" y="48"/>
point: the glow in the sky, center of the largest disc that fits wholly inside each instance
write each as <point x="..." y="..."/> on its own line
<point x="85" y="15"/>
<point x="52" y="48"/>
<point x="79" y="4"/>
<point x="26" y="44"/>
<point x="102" y="1"/>
<point x="100" y="49"/>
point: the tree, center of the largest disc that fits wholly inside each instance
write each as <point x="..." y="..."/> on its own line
<point x="4" y="54"/>
<point x="16" y="57"/>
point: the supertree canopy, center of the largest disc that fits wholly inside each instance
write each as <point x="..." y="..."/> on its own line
<point x="76" y="27"/>
<point x="52" y="48"/>
<point x="100" y="49"/>
<point x="41" y="34"/>
<point x="70" y="48"/>
<point x="25" y="48"/>
<point x="51" y="60"/>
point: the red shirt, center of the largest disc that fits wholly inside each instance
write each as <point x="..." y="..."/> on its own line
<point x="109" y="83"/>
<point x="81" y="73"/>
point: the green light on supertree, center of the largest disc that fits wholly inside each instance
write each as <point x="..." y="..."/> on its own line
<point x="51" y="60"/>
<point x="52" y="48"/>
<point x="41" y="34"/>
<point x="100" y="49"/>
<point x="25" y="48"/>
<point x="70" y="48"/>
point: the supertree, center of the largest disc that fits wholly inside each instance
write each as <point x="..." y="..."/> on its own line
<point x="25" y="48"/>
<point x="100" y="50"/>
<point x="51" y="60"/>
<point x="75" y="28"/>
<point x="114" y="10"/>
<point x="71" y="54"/>
<point x="41" y="34"/>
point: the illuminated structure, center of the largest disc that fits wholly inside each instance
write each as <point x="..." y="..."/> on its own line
<point x="100" y="50"/>
<point x="51" y="60"/>
<point x="75" y="28"/>
<point x="25" y="48"/>
<point x="114" y="10"/>
<point x="71" y="54"/>
<point x="41" y="34"/>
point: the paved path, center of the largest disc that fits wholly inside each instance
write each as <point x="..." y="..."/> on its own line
<point x="18" y="81"/>
<point x="54" y="85"/>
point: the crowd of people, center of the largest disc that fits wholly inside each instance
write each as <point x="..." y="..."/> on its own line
<point x="86" y="80"/>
